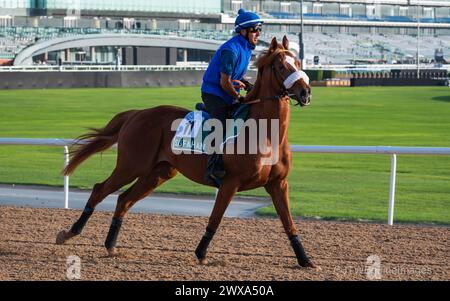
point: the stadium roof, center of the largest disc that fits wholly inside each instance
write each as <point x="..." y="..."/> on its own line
<point x="25" y="56"/>
<point x="397" y="2"/>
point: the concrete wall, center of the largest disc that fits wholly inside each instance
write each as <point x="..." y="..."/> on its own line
<point x="42" y="80"/>
<point x="149" y="56"/>
<point x="145" y="56"/>
<point x="127" y="56"/>
<point x="396" y="82"/>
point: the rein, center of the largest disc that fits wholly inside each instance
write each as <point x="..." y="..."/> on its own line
<point x="278" y="97"/>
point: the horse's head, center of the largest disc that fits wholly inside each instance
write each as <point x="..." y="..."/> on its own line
<point x="285" y="72"/>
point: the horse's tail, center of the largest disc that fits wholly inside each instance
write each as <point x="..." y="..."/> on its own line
<point x="97" y="140"/>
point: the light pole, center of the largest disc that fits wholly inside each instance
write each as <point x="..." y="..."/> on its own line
<point x="418" y="36"/>
<point x="301" y="52"/>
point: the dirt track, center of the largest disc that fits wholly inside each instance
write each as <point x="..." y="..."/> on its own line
<point x="155" y="247"/>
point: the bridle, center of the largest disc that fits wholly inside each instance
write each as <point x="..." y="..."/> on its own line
<point x="285" y="83"/>
<point x="289" y="81"/>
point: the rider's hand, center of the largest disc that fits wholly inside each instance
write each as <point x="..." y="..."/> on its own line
<point x="238" y="84"/>
<point x="248" y="86"/>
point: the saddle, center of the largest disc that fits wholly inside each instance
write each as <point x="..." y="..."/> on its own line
<point x="191" y="133"/>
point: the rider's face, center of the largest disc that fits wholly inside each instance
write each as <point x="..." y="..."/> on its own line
<point x="253" y="34"/>
<point x="253" y="37"/>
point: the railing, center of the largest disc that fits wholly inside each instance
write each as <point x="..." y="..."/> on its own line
<point x="386" y="150"/>
<point x="376" y="67"/>
<point x="204" y="66"/>
<point x="44" y="33"/>
<point x="102" y="68"/>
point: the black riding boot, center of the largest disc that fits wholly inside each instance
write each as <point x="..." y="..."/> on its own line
<point x="214" y="168"/>
<point x="218" y="109"/>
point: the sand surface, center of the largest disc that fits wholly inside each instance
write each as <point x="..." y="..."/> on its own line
<point x="161" y="247"/>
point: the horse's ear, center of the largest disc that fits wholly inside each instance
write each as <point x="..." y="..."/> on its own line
<point x="273" y="45"/>
<point x="285" y="43"/>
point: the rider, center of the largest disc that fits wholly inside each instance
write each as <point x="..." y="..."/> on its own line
<point x="223" y="79"/>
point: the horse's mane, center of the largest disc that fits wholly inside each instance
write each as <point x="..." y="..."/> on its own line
<point x="266" y="58"/>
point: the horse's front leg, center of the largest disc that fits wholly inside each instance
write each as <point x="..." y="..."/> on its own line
<point x="226" y="192"/>
<point x="278" y="190"/>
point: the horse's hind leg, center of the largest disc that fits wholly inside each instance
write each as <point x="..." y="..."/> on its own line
<point x="162" y="172"/>
<point x="100" y="191"/>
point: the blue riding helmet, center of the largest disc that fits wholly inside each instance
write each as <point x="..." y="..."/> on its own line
<point x="246" y="19"/>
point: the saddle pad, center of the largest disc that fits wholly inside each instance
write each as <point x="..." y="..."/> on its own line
<point x="190" y="134"/>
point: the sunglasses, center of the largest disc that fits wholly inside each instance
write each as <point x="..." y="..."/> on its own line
<point x="254" y="29"/>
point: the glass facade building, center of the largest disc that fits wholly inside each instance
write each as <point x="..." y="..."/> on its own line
<point x="395" y="12"/>
<point x="437" y="11"/>
<point x="175" y="6"/>
<point x="16" y="4"/>
<point x="215" y="19"/>
<point x="383" y="10"/>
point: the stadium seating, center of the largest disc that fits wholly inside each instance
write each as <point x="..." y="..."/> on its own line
<point x="340" y="48"/>
<point x="336" y="48"/>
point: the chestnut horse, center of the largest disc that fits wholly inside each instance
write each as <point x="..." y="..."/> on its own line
<point x="145" y="155"/>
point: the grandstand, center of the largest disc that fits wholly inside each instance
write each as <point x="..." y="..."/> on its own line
<point x="338" y="48"/>
<point x="335" y="31"/>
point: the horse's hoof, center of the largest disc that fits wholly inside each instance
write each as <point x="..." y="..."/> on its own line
<point x="61" y="237"/>
<point x="113" y="252"/>
<point x="203" y="261"/>
<point x="311" y="265"/>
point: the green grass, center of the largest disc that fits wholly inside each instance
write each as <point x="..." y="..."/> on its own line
<point x="333" y="186"/>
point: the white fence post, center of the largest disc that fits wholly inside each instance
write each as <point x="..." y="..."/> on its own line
<point x="66" y="178"/>
<point x="392" y="189"/>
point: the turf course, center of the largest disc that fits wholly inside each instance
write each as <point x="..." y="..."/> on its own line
<point x="324" y="185"/>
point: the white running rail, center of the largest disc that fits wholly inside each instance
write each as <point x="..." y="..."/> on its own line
<point x="388" y="150"/>
<point x="102" y="68"/>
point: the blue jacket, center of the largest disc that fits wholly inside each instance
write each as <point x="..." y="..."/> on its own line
<point x="242" y="49"/>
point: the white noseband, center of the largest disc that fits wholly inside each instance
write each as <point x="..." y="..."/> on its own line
<point x="296" y="75"/>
